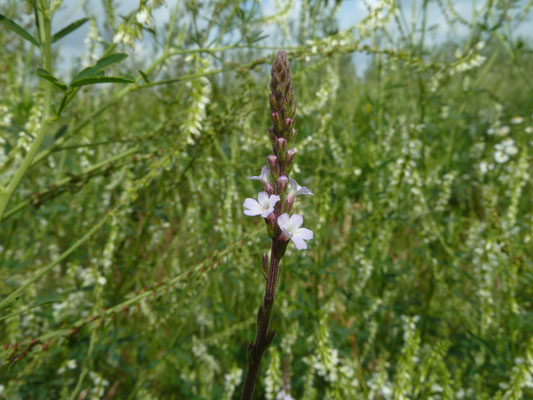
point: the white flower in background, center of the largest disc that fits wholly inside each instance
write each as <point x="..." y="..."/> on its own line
<point x="500" y="157"/>
<point x="263" y="177"/>
<point x="503" y="131"/>
<point x="516" y="120"/>
<point x="72" y="364"/>
<point x="264" y="205"/>
<point x="483" y="167"/>
<point x="504" y="150"/>
<point x="283" y="395"/>
<point x="5" y="116"/>
<point x="119" y="36"/>
<point x="291" y="226"/>
<point x="295" y="189"/>
<point x="143" y="17"/>
<point x="529" y="129"/>
<point x="509" y="147"/>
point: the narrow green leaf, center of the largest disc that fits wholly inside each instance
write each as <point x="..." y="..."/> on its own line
<point x="10" y="24"/>
<point x="42" y="73"/>
<point x="103" y="63"/>
<point x="102" y="79"/>
<point x="66" y="30"/>
<point x="144" y="76"/>
<point x="41" y="301"/>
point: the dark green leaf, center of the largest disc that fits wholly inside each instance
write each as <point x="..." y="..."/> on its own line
<point x="103" y="63"/>
<point x="66" y="30"/>
<point x="51" y="78"/>
<point x="102" y="79"/>
<point x="18" y="29"/>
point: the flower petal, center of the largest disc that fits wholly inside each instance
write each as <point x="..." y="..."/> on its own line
<point x="304" y="233"/>
<point x="252" y="213"/>
<point x="303" y="190"/>
<point x="265" y="173"/>
<point x="253" y="207"/>
<point x="296" y="221"/>
<point x="283" y="220"/>
<point x="273" y="200"/>
<point x="261" y="197"/>
<point x="299" y="243"/>
<point x="266" y="213"/>
<point x="255" y="178"/>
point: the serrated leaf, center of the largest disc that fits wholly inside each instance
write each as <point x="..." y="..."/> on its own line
<point x="96" y="70"/>
<point x="92" y="80"/>
<point x="42" y="73"/>
<point x="10" y="24"/>
<point x="66" y="30"/>
<point x="41" y="301"/>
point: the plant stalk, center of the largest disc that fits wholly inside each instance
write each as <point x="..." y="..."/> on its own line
<point x="264" y="336"/>
<point x="45" y="30"/>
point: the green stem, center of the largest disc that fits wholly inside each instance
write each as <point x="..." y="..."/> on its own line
<point x="5" y="197"/>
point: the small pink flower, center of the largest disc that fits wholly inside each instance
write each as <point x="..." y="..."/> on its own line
<point x="264" y="205"/>
<point x="291" y="227"/>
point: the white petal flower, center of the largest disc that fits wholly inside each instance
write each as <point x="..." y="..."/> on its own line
<point x="291" y="226"/>
<point x="295" y="189"/>
<point x="511" y="150"/>
<point x="143" y="17"/>
<point x="264" y="176"/>
<point x="483" y="167"/>
<point x="517" y="119"/>
<point x="264" y="205"/>
<point x="509" y="147"/>
<point x="500" y="157"/>
<point x="503" y="131"/>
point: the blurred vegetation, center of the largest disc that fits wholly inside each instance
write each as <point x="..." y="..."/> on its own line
<point x="129" y="270"/>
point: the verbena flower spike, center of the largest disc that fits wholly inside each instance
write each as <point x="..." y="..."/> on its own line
<point x="274" y="204"/>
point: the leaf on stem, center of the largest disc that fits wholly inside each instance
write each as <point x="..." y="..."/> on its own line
<point x="42" y="73"/>
<point x="98" y="68"/>
<point x="70" y="28"/>
<point x="10" y="24"/>
<point x="102" y="79"/>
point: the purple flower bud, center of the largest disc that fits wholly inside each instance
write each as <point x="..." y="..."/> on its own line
<point x="272" y="136"/>
<point x="276" y="120"/>
<point x="290" y="156"/>
<point x="281" y="147"/>
<point x="288" y="125"/>
<point x="287" y="206"/>
<point x="282" y="183"/>
<point x="274" y="166"/>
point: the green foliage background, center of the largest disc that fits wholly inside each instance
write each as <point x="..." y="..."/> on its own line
<point x="418" y="282"/>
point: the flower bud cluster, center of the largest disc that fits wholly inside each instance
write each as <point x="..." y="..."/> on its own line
<point x="275" y="203"/>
